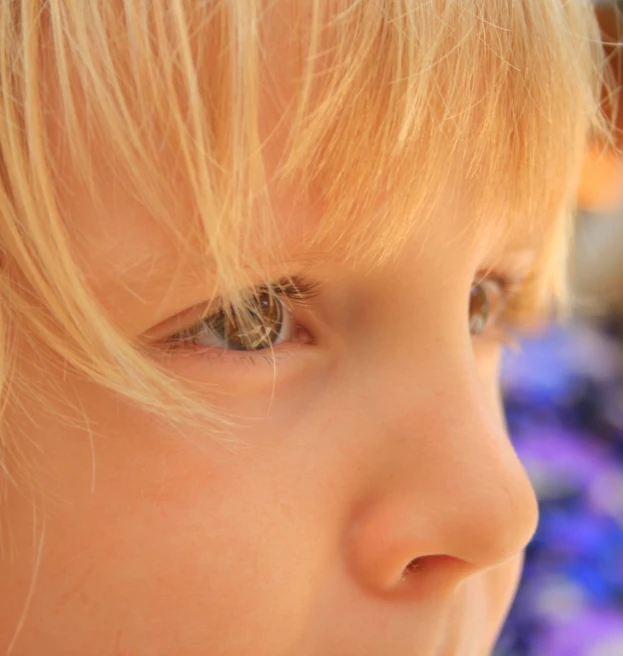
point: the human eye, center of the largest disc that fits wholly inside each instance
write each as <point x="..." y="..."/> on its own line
<point x="263" y="320"/>
<point x="488" y="300"/>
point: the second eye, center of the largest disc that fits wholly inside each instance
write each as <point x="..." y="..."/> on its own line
<point x="486" y="302"/>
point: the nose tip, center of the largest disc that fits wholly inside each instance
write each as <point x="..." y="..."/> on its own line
<point x="495" y="511"/>
<point x="457" y="505"/>
<point x="460" y="533"/>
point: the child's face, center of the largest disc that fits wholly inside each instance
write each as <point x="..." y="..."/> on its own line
<point x="376" y="507"/>
<point x="373" y="505"/>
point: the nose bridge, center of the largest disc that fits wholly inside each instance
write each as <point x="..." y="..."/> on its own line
<point x="452" y="485"/>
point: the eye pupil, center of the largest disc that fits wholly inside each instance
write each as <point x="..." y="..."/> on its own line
<point x="257" y="326"/>
<point x="478" y="309"/>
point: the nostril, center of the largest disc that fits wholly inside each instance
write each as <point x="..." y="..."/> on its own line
<point x="412" y="567"/>
<point x="444" y="571"/>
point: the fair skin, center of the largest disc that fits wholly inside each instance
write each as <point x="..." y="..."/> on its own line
<point x="379" y="443"/>
<point x="373" y="504"/>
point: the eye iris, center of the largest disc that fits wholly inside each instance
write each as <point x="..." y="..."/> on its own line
<point x="478" y="309"/>
<point x="254" y="328"/>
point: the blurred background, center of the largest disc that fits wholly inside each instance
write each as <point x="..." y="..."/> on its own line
<point x="564" y="403"/>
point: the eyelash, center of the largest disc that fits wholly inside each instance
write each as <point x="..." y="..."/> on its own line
<point x="296" y="291"/>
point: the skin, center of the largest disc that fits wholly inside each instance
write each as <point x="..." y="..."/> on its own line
<point x="373" y="505"/>
<point x="377" y="444"/>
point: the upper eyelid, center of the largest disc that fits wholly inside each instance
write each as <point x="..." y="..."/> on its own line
<point x="510" y="281"/>
<point x="296" y="289"/>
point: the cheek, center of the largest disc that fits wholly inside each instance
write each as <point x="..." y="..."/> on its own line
<point x="200" y="534"/>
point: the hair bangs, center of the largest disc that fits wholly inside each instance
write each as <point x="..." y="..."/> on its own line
<point x="386" y="106"/>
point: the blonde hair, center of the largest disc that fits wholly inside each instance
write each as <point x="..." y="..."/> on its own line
<point x="386" y="94"/>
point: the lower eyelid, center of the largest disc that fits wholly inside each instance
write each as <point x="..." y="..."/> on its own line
<point x="218" y="355"/>
<point x="233" y="371"/>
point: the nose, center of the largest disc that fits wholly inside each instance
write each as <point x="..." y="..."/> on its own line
<point x="449" y="494"/>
